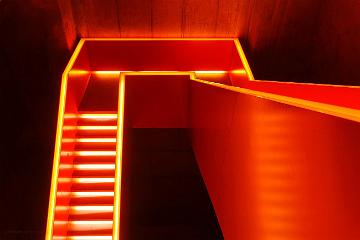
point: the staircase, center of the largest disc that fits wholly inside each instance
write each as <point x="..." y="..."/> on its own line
<point x="85" y="191"/>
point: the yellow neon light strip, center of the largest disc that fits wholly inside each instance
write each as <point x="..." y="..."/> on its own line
<point x="89" y="140"/>
<point x="239" y="72"/>
<point x="106" y="72"/>
<point x="86" y="194"/>
<point x="342" y="112"/>
<point x="211" y="72"/>
<point x="91" y="128"/>
<point x="86" y="180"/>
<point x="243" y="59"/>
<point x="94" y="208"/>
<point x="159" y="39"/>
<point x="118" y="167"/>
<point x="88" y="153"/>
<point x="105" y="237"/>
<point x="84" y="222"/>
<point x="55" y="170"/>
<point x="79" y="72"/>
<point x="96" y="116"/>
<point x="109" y="166"/>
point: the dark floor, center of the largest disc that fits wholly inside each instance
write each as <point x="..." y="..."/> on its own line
<point x="163" y="194"/>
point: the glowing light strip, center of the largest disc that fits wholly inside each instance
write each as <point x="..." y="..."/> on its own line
<point x="89" y="140"/>
<point x="91" y="128"/>
<point x="106" y="72"/>
<point x="87" y="180"/>
<point x="239" y="71"/>
<point x="215" y="72"/>
<point x="87" y="153"/>
<point x="119" y="150"/>
<point x="96" y="116"/>
<point x="109" y="166"/>
<point x="79" y="72"/>
<point x="94" y="208"/>
<point x="55" y="170"/>
<point x="342" y="112"/>
<point x="243" y="59"/>
<point x="85" y="222"/>
<point x="86" y="194"/>
<point x="98" y="237"/>
<point x="211" y="72"/>
<point x="160" y="39"/>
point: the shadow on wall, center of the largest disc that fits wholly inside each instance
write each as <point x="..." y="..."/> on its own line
<point x="305" y="41"/>
<point x="32" y="57"/>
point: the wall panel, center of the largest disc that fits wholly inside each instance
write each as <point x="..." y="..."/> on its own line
<point x="275" y="171"/>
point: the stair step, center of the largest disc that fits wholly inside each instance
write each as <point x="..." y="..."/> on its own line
<point x="85" y="225"/>
<point x="97" y="153"/>
<point x="99" y="232"/>
<point x="89" y="144"/>
<point x="89" y="166"/>
<point x="92" y="200"/>
<point x="104" y="122"/>
<point x="94" y="173"/>
<point x="89" y="140"/>
<point x="90" y="127"/>
<point x="94" y="146"/>
<point x="84" y="212"/>
<point x="96" y="134"/>
<point x="83" y="237"/>
<point x="93" y="159"/>
<point x="91" y="117"/>
<point x="96" y="216"/>
<point x="85" y="198"/>
<point x="109" y="186"/>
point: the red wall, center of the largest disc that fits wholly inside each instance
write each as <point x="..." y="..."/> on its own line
<point x="157" y="101"/>
<point x="158" y="55"/>
<point x="274" y="171"/>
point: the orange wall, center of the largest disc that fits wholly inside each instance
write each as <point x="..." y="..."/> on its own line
<point x="274" y="171"/>
<point x="157" y="101"/>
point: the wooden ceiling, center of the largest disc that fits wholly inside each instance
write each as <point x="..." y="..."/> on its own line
<point x="285" y="40"/>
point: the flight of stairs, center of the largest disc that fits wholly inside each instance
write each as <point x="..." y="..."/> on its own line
<point x="85" y="191"/>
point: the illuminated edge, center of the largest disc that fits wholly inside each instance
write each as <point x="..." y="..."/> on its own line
<point x="333" y="110"/>
<point x="118" y="165"/>
<point x="55" y="169"/>
<point x="243" y="59"/>
<point x="159" y="39"/>
<point x="342" y="112"/>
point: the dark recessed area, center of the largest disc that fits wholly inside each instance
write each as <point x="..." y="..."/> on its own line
<point x="164" y="196"/>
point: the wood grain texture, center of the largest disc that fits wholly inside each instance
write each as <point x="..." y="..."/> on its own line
<point x="280" y="39"/>
<point x="199" y="18"/>
<point x="68" y="22"/>
<point x="102" y="21"/>
<point x="167" y="16"/>
<point x="232" y="19"/>
<point x="285" y="40"/>
<point x="80" y="18"/>
<point x="135" y="18"/>
<point x="337" y="40"/>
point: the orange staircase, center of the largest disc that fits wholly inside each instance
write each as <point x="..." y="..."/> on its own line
<point x="85" y="192"/>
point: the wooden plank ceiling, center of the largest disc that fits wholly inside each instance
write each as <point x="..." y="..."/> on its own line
<point x="285" y="40"/>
